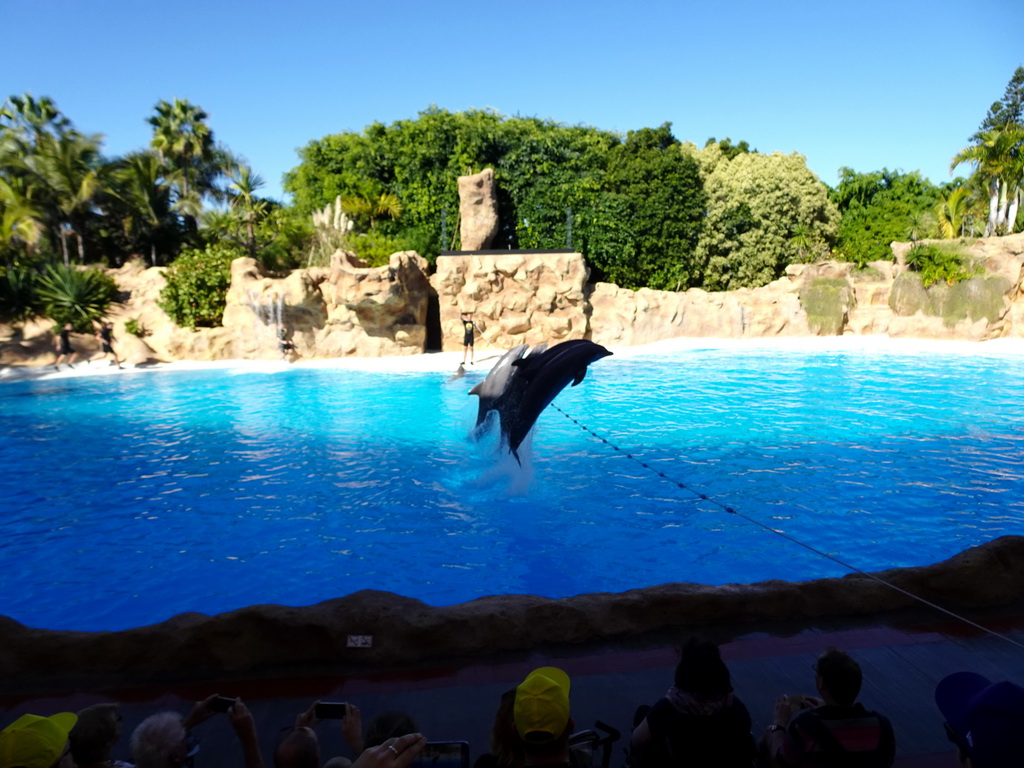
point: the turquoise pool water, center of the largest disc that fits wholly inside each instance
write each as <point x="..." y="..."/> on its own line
<point x="130" y="498"/>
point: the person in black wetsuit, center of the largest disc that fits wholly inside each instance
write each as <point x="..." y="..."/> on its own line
<point x="64" y="348"/>
<point x="105" y="335"/>
<point x="468" y="328"/>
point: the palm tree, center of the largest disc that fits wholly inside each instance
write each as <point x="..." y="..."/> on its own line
<point x="247" y="208"/>
<point x="69" y="172"/>
<point x="140" y="186"/>
<point x="27" y="118"/>
<point x="184" y="143"/>
<point x="996" y="161"/>
<point x="952" y="211"/>
<point x="21" y="220"/>
<point x="365" y="210"/>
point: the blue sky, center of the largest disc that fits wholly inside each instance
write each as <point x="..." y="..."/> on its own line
<point x="899" y="84"/>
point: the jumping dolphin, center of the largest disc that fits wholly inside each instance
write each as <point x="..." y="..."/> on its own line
<point x="490" y="389"/>
<point x="528" y="384"/>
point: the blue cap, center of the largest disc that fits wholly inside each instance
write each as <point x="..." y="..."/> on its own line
<point x="988" y="717"/>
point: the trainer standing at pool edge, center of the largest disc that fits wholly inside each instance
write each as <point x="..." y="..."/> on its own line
<point x="468" y="328"/>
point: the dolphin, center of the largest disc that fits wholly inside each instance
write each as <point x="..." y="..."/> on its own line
<point x="531" y="382"/>
<point x="490" y="389"/>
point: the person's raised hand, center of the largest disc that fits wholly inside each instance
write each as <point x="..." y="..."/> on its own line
<point x="393" y="753"/>
<point x="201" y="712"/>
<point x="308" y="719"/>
<point x="352" y="729"/>
<point x="241" y="719"/>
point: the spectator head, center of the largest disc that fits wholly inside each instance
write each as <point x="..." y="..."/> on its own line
<point x="541" y="708"/>
<point x="388" y="725"/>
<point x="701" y="671"/>
<point x="838" y="675"/>
<point x="95" y="734"/>
<point x="37" y="742"/>
<point x="505" y="743"/>
<point x="984" y="719"/>
<point x="298" y="748"/>
<point x="161" y="741"/>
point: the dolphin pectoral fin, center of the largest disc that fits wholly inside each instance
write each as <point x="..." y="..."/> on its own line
<point x="580" y="375"/>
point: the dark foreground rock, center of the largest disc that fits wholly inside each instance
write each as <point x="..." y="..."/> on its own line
<point x="273" y="641"/>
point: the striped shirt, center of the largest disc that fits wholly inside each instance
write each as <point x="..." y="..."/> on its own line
<point x="839" y="737"/>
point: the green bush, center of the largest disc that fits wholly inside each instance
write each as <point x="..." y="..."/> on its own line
<point x="135" y="328"/>
<point x="197" y="286"/>
<point x="77" y="296"/>
<point x="18" y="298"/>
<point x="940" y="263"/>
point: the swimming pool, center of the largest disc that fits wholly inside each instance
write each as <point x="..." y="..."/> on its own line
<point x="130" y="498"/>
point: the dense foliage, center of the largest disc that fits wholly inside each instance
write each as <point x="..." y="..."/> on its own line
<point x="197" y="286"/>
<point x="880" y="207"/>
<point x="77" y="296"/>
<point x="757" y="206"/>
<point x="940" y="263"/>
<point x="645" y="209"/>
<point x="633" y="206"/>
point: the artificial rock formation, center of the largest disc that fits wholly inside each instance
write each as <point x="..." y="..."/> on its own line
<point x="516" y="298"/>
<point x="269" y="640"/>
<point x="349" y="309"/>
<point x="478" y="210"/>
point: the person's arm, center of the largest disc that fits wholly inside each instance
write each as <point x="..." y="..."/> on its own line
<point x="201" y="712"/>
<point x="245" y="729"/>
<point x="641" y="735"/>
<point x="352" y="729"/>
<point x="774" y="739"/>
<point x="308" y="719"/>
<point x="393" y="753"/>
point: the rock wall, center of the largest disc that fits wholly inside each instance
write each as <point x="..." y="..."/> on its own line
<point x="271" y="640"/>
<point x="518" y="298"/>
<point x="350" y="309"/>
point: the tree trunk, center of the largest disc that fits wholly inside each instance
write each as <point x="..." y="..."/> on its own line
<point x="993" y="207"/>
<point x="1001" y="211"/>
<point x="1011" y="216"/>
<point x="152" y="254"/>
<point x="64" y="248"/>
<point x="81" y="249"/>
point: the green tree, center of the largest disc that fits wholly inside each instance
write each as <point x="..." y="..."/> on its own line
<point x="658" y="194"/>
<point x="878" y="208"/>
<point x="755" y="202"/>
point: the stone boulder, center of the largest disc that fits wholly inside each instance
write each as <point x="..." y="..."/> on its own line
<point x="516" y="298"/>
<point x="375" y="311"/>
<point x="259" y="307"/>
<point x="478" y="210"/>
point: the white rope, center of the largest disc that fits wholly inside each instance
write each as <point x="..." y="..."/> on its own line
<point x="777" y="532"/>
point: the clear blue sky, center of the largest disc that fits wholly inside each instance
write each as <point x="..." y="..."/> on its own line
<point x="900" y="84"/>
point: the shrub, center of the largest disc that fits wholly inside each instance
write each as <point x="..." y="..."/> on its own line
<point x="936" y="262"/>
<point x="197" y="286"/>
<point x="77" y="296"/>
<point x="18" y="298"/>
<point x="135" y="328"/>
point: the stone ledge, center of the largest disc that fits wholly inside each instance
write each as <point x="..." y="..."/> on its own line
<point x="277" y="641"/>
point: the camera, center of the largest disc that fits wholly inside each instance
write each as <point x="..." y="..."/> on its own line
<point x="443" y="754"/>
<point x="330" y="710"/>
<point x="222" y="703"/>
